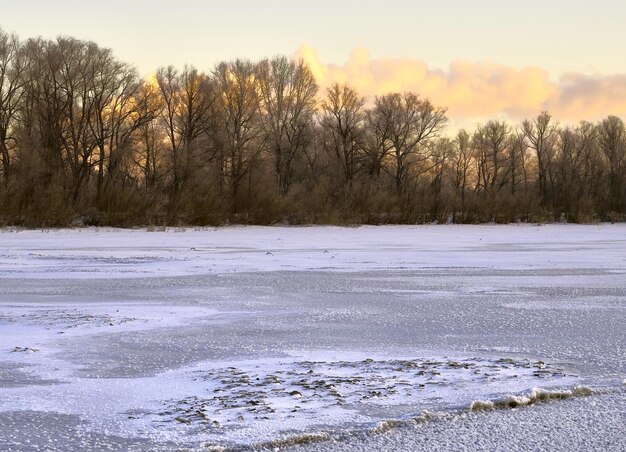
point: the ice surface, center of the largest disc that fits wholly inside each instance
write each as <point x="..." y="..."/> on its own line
<point x="242" y="336"/>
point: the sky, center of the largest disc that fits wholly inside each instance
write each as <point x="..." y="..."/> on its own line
<point x="480" y="58"/>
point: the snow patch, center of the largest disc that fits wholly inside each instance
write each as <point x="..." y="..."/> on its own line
<point x="251" y="401"/>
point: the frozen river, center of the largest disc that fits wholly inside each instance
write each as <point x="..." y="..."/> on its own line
<point x="390" y="337"/>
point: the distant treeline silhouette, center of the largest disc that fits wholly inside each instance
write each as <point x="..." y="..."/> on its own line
<point x="85" y="140"/>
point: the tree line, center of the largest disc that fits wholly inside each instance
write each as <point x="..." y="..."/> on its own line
<point x="85" y="140"/>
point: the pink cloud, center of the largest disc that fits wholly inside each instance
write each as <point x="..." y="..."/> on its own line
<point x="475" y="90"/>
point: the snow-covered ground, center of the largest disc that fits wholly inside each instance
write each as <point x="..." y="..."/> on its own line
<point x="335" y="337"/>
<point x="115" y="253"/>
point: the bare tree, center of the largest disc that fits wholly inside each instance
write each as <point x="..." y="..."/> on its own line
<point x="461" y="162"/>
<point x="541" y="133"/>
<point x="114" y="92"/>
<point x="288" y="99"/>
<point x="43" y="107"/>
<point x="575" y="148"/>
<point x="151" y="136"/>
<point x="410" y="122"/>
<point x="612" y="140"/>
<point x="239" y="129"/>
<point x="490" y="142"/>
<point x="12" y="68"/>
<point x="441" y="154"/>
<point x="378" y="145"/>
<point x="343" y="123"/>
<point x="188" y="101"/>
<point x="73" y="78"/>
